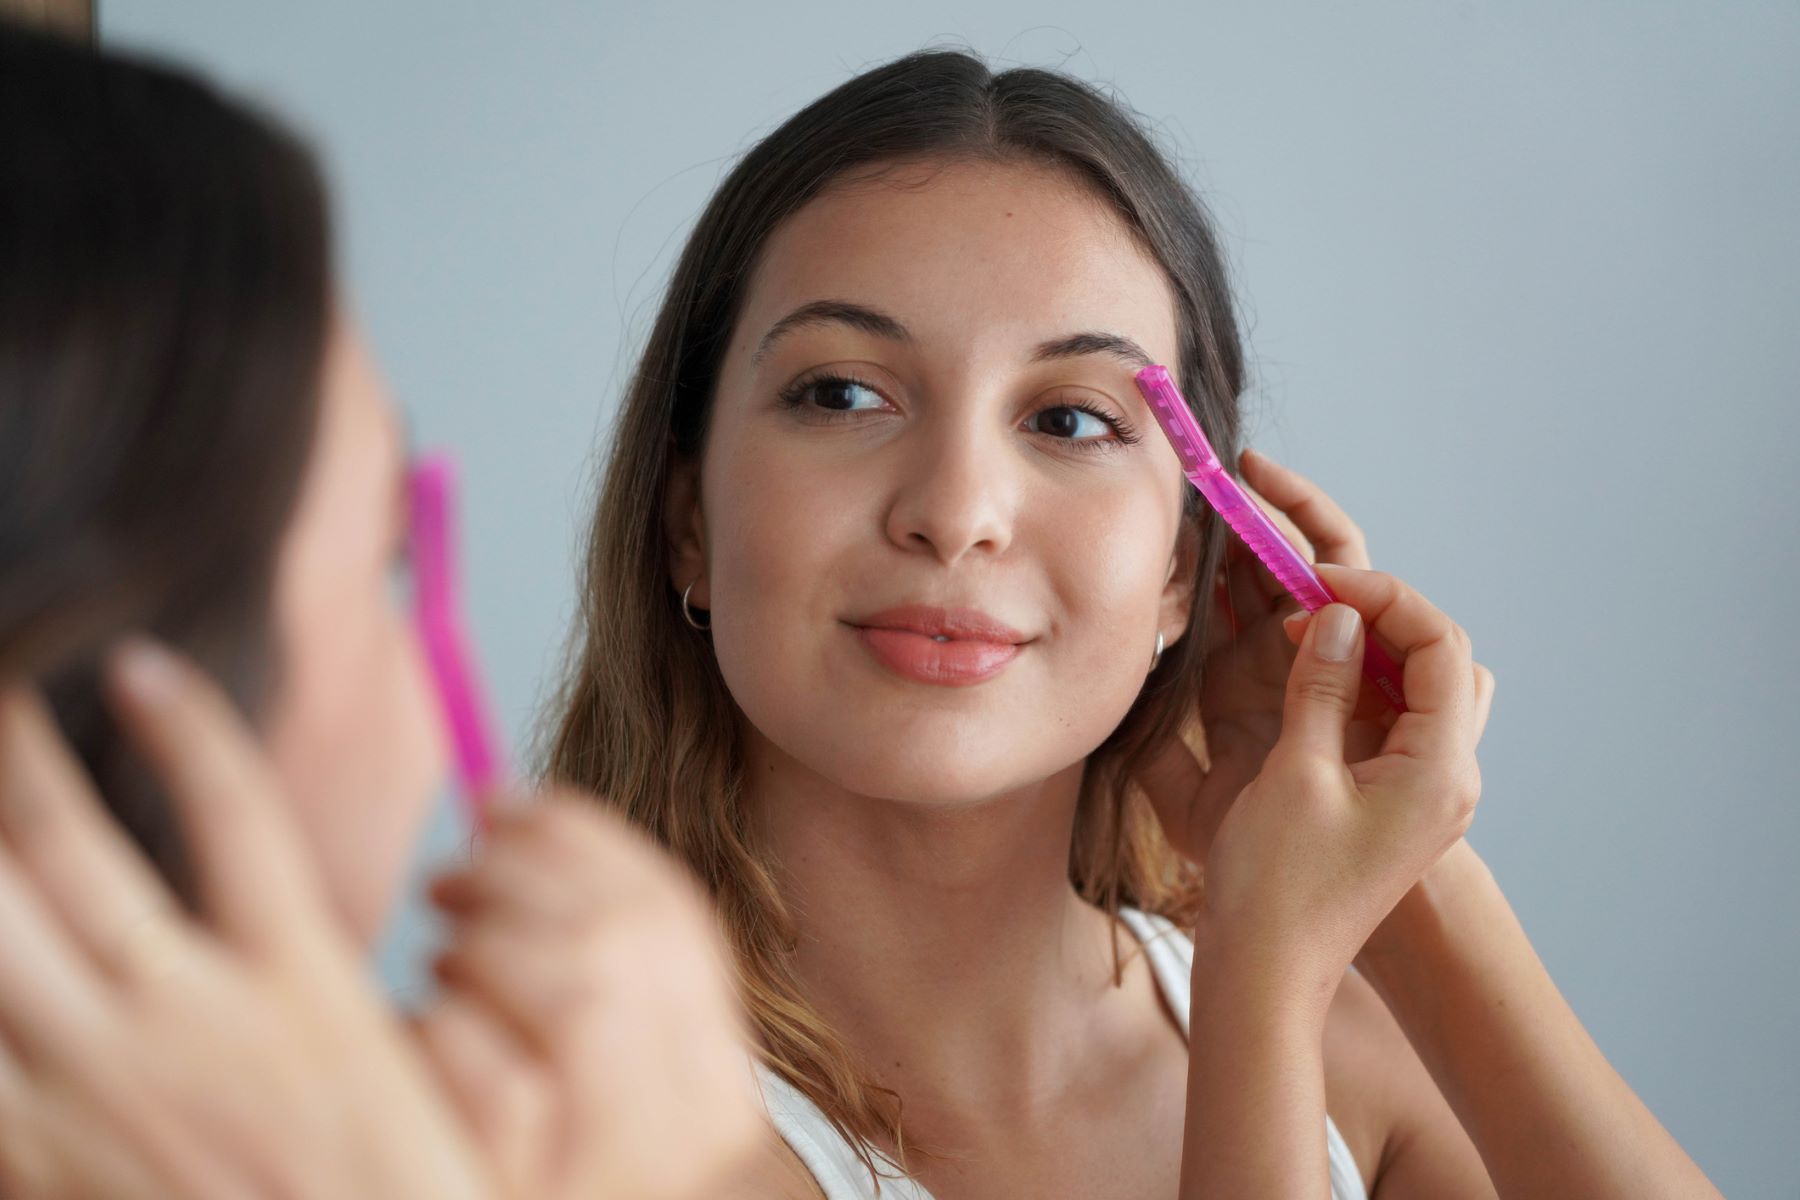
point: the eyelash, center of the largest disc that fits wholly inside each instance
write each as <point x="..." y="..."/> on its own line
<point x="795" y="394"/>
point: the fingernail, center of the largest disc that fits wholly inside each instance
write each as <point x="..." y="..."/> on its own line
<point x="146" y="670"/>
<point x="1336" y="635"/>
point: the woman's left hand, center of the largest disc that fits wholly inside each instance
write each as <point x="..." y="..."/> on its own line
<point x="1248" y="659"/>
<point x="587" y="1026"/>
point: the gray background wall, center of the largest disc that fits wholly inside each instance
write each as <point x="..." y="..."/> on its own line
<point x="1520" y="283"/>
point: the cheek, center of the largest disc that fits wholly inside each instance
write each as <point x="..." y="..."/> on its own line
<point x="799" y="547"/>
<point x="776" y="555"/>
<point x="354" y="739"/>
<point x="1106" y="562"/>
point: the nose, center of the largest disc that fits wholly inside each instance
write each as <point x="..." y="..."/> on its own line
<point x="957" y="492"/>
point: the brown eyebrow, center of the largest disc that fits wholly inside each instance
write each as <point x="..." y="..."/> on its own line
<point x="1076" y="345"/>
<point x="832" y="312"/>
<point x="874" y="321"/>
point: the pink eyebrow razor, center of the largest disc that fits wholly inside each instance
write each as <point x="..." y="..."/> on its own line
<point x="437" y="612"/>
<point x="1288" y="565"/>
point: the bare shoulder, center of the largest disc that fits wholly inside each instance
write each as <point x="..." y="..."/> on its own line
<point x="1406" y="1139"/>
<point x="774" y="1172"/>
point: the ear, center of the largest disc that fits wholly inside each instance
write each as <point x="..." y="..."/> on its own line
<point x="1178" y="588"/>
<point x="684" y="528"/>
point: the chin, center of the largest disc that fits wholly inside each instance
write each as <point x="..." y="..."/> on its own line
<point x="941" y="759"/>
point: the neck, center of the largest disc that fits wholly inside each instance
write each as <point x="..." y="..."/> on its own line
<point x="943" y="940"/>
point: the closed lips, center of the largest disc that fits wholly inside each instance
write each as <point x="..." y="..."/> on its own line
<point x="945" y="647"/>
<point x="950" y="624"/>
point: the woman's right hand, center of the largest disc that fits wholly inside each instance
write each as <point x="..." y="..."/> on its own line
<point x="150" y="1054"/>
<point x="1316" y="850"/>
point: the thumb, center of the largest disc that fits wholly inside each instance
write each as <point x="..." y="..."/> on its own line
<point x="1324" y="683"/>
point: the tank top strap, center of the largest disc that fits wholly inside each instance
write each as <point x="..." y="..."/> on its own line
<point x="815" y="1141"/>
<point x="841" y="1174"/>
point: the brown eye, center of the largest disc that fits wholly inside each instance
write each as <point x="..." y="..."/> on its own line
<point x="841" y="395"/>
<point x="1070" y="423"/>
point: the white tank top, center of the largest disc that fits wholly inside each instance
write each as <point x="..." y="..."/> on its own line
<point x="842" y="1176"/>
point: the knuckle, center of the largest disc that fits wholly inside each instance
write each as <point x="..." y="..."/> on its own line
<point x="1461" y="793"/>
<point x="1309" y="774"/>
<point x="1459" y="636"/>
<point x="1389" y="590"/>
<point x="1321" y="689"/>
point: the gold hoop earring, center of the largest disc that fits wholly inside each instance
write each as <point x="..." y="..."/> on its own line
<point x="687" y="610"/>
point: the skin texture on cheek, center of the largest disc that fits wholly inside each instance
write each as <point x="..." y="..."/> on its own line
<point x="351" y="730"/>
<point x="805" y="526"/>
<point x="787" y="567"/>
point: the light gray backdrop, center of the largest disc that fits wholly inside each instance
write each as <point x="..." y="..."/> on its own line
<point x="1520" y="285"/>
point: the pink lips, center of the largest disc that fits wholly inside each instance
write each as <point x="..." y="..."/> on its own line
<point x="951" y="647"/>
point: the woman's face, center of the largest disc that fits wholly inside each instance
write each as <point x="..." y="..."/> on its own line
<point x="351" y="729"/>
<point x="936" y="525"/>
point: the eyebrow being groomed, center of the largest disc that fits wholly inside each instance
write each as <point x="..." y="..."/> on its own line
<point x="1079" y="344"/>
<point x="879" y="324"/>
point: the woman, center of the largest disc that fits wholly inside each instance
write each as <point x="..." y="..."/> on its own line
<point x="200" y="481"/>
<point x="898" y="617"/>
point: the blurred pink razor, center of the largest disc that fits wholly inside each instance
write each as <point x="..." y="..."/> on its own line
<point x="437" y="610"/>
<point x="1288" y="565"/>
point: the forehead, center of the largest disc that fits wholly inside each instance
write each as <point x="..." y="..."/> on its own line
<point x="968" y="251"/>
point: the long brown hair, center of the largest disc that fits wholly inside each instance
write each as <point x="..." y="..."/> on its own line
<point x="164" y="297"/>
<point x="646" y="720"/>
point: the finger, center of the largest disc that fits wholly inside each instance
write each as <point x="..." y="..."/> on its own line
<point x="1334" y="536"/>
<point x="257" y="886"/>
<point x="1484" y="698"/>
<point x="1282" y="521"/>
<point x="29" y="1164"/>
<point x="515" y="884"/>
<point x="576" y="836"/>
<point x="539" y="988"/>
<point x="1436" y="659"/>
<point x="1324" y="684"/>
<point x="88" y="873"/>
<point x="1371" y="705"/>
<point x="499" y="1091"/>
<point x="53" y="1004"/>
<point x="58" y="1139"/>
